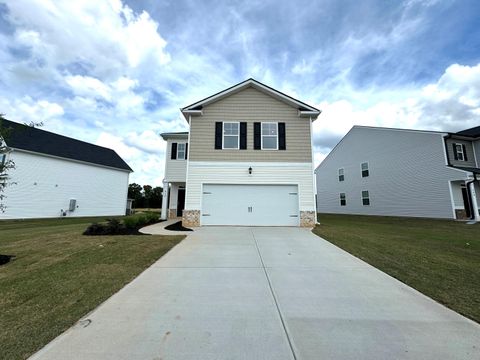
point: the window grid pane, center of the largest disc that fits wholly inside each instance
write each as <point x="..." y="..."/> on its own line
<point x="230" y="142"/>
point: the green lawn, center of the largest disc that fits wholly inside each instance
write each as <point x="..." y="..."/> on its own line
<point x="440" y="258"/>
<point x="59" y="275"/>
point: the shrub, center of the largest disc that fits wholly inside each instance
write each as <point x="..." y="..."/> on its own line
<point x="127" y="226"/>
<point x="96" y="229"/>
<point x="131" y="222"/>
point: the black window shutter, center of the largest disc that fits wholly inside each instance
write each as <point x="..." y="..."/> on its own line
<point x="243" y="136"/>
<point x="455" y="155"/>
<point x="218" y="135"/>
<point x="186" y="150"/>
<point x="464" y="152"/>
<point x="282" y="145"/>
<point x="257" y="133"/>
<point x="173" y="155"/>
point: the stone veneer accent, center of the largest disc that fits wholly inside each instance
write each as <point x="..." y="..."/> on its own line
<point x="461" y="214"/>
<point x="307" y="218"/>
<point x="191" y="218"/>
<point x="172" y="213"/>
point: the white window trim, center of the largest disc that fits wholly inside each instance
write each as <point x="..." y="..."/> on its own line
<point x="368" y="197"/>
<point x="178" y="150"/>
<point x="223" y="135"/>
<point x="261" y="134"/>
<point x="338" y="174"/>
<point x="460" y="152"/>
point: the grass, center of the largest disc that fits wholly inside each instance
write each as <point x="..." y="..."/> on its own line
<point x="59" y="275"/>
<point x="440" y="258"/>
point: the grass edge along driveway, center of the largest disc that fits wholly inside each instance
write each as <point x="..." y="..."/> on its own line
<point x="59" y="275"/>
<point x="439" y="258"/>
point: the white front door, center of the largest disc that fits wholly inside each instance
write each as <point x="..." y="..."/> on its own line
<point x="251" y="205"/>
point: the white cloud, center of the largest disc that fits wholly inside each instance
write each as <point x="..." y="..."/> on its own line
<point x="28" y="110"/>
<point x="88" y="86"/>
<point x="450" y="104"/>
<point x="106" y="34"/>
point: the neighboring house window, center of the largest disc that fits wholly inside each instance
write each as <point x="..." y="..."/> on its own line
<point x="365" y="172"/>
<point x="459" y="152"/>
<point x="181" y="151"/>
<point x="231" y="135"/>
<point x="341" y="174"/>
<point x="343" y="199"/>
<point x="269" y="136"/>
<point x="365" y="197"/>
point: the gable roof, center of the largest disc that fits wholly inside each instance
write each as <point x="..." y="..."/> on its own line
<point x="28" y="138"/>
<point x="196" y="107"/>
<point x="472" y="132"/>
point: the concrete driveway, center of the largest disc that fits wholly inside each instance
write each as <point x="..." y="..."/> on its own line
<point x="266" y="293"/>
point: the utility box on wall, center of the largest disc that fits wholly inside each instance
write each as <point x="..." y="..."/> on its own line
<point x="73" y="204"/>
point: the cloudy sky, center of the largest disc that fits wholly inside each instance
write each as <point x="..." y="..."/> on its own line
<point x="116" y="72"/>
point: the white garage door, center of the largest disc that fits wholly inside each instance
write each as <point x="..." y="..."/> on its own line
<point x="262" y="205"/>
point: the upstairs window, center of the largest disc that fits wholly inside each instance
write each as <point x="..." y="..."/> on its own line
<point x="459" y="152"/>
<point x="343" y="199"/>
<point x="269" y="136"/>
<point x="181" y="151"/>
<point x="365" y="172"/>
<point x="341" y="174"/>
<point x="365" y="198"/>
<point x="231" y="135"/>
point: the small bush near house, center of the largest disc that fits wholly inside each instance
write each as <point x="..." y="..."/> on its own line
<point x="128" y="226"/>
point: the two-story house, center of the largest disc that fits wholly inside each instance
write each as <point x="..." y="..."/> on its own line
<point x="247" y="160"/>
<point x="400" y="172"/>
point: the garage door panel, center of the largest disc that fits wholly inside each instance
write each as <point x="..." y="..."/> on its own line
<point x="261" y="205"/>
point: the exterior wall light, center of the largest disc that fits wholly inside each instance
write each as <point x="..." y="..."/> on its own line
<point x="250" y="170"/>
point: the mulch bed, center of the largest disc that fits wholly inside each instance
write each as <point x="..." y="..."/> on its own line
<point x="177" y="227"/>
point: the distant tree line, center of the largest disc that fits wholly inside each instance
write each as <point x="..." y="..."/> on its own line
<point x="145" y="196"/>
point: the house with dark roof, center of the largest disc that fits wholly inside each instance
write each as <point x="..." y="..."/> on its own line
<point x="402" y="172"/>
<point x="246" y="160"/>
<point x="57" y="176"/>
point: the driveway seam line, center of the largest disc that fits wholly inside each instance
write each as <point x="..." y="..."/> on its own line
<point x="282" y="320"/>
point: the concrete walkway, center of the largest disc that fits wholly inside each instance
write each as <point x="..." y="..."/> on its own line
<point x="266" y="293"/>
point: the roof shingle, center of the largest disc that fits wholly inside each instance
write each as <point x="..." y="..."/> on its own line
<point x="28" y="138"/>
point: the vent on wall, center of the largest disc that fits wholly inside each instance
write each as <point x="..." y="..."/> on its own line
<point x="72" y="205"/>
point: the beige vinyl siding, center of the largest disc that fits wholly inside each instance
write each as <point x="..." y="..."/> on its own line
<point x="250" y="105"/>
<point x="470" y="155"/>
<point x="237" y="173"/>
<point x="175" y="170"/>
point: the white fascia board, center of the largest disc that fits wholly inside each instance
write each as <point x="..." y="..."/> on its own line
<point x="250" y="82"/>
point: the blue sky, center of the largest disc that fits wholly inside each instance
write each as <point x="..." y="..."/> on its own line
<point x="116" y="72"/>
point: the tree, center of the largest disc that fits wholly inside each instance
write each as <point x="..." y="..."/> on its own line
<point x="147" y="193"/>
<point x="6" y="166"/>
<point x="135" y="193"/>
<point x="156" y="197"/>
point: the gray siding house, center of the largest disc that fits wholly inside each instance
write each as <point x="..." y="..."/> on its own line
<point x="399" y="172"/>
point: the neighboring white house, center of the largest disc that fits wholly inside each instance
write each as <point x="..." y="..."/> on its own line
<point x="58" y="176"/>
<point x="399" y="172"/>
<point x="247" y="160"/>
